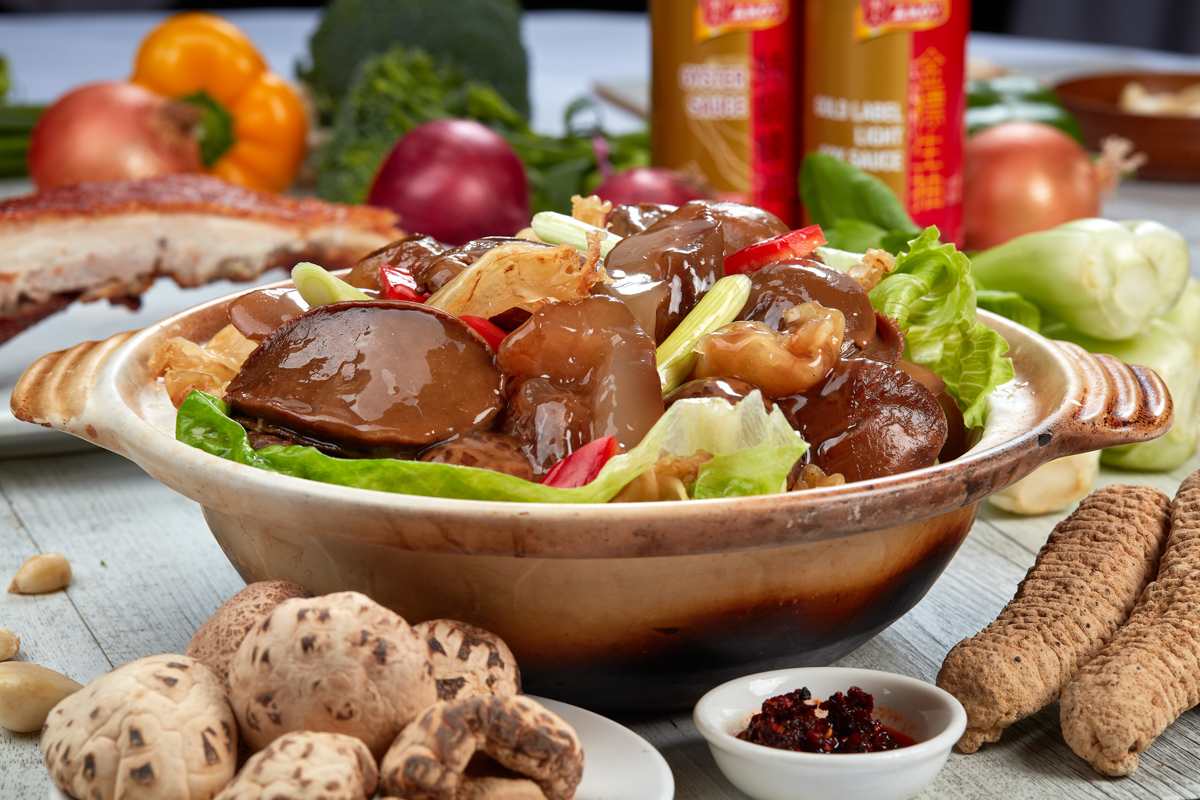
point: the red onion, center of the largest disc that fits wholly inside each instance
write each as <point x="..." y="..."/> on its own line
<point x="112" y="131"/>
<point x="454" y="180"/>
<point x="651" y="185"/>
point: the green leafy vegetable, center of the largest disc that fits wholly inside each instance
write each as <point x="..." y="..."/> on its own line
<point x="396" y="91"/>
<point x="753" y="453"/>
<point x="480" y="39"/>
<point x="559" y="167"/>
<point x="393" y="93"/>
<point x="931" y="295"/>
<point x="1172" y="349"/>
<point x="1104" y="279"/>
<point x="1017" y="97"/>
<point x="16" y="126"/>
<point x="856" y="211"/>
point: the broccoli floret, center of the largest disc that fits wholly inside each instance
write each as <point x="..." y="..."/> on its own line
<point x="482" y="38"/>
<point x="392" y="94"/>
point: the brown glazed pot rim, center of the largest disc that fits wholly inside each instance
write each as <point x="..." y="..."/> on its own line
<point x="1063" y="401"/>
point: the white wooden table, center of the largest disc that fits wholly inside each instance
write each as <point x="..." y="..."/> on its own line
<point x="147" y="571"/>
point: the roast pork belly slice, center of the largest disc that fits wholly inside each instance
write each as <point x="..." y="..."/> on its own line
<point x="111" y="240"/>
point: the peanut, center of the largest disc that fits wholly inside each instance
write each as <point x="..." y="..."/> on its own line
<point x="45" y="572"/>
<point x="10" y="643"/>
<point x="27" y="694"/>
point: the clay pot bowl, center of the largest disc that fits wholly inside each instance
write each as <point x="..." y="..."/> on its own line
<point x="1171" y="144"/>
<point x="617" y="607"/>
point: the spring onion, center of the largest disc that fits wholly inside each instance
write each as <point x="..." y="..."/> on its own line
<point x="720" y="306"/>
<point x="555" y="228"/>
<point x="318" y="286"/>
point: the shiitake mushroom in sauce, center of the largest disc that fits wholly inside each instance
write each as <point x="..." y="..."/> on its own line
<point x="411" y="381"/>
<point x="257" y="314"/>
<point x="628" y="220"/>
<point x="728" y="388"/>
<point x="403" y="253"/>
<point x="778" y="287"/>
<point x="868" y="420"/>
<point x="494" y="451"/>
<point x="662" y="272"/>
<point x="577" y="371"/>
<point x="371" y="377"/>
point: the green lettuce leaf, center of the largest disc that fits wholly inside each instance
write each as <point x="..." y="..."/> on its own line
<point x="1011" y="305"/>
<point x="753" y="452"/>
<point x="932" y="296"/>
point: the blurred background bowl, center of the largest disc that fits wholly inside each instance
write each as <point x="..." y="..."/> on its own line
<point x="1171" y="143"/>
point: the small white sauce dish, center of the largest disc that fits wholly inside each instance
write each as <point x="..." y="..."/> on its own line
<point x="932" y="717"/>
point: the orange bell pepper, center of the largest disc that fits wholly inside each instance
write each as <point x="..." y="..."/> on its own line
<point x="254" y="127"/>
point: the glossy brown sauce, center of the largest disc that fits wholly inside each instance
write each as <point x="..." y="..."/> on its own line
<point x="376" y="378"/>
<point x="257" y="314"/>
<point x="577" y="371"/>
<point x="778" y="287"/>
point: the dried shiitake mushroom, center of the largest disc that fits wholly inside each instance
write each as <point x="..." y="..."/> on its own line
<point x="217" y="640"/>
<point x="159" y="727"/>
<point x="307" y="765"/>
<point x="431" y="758"/>
<point x="468" y="660"/>
<point x="340" y="663"/>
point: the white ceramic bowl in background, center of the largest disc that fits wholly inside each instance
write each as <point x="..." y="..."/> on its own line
<point x="932" y="717"/>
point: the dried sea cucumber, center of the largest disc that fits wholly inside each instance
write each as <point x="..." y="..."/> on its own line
<point x="1149" y="673"/>
<point x="1082" y="587"/>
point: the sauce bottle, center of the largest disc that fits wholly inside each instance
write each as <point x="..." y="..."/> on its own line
<point x="724" y="85"/>
<point x="884" y="88"/>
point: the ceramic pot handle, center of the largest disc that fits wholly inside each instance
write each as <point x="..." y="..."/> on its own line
<point x="61" y="390"/>
<point x="1119" y="404"/>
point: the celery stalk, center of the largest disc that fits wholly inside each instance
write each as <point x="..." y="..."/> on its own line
<point x="720" y="306"/>
<point x="318" y="286"/>
<point x="555" y="228"/>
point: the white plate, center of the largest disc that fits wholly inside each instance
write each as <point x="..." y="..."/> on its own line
<point x="618" y="764"/>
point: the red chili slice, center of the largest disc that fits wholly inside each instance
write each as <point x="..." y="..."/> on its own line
<point x="398" y="283"/>
<point x="492" y="333"/>
<point x="582" y="466"/>
<point x="793" y="244"/>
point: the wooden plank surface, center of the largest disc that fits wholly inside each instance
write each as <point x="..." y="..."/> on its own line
<point x="147" y="573"/>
